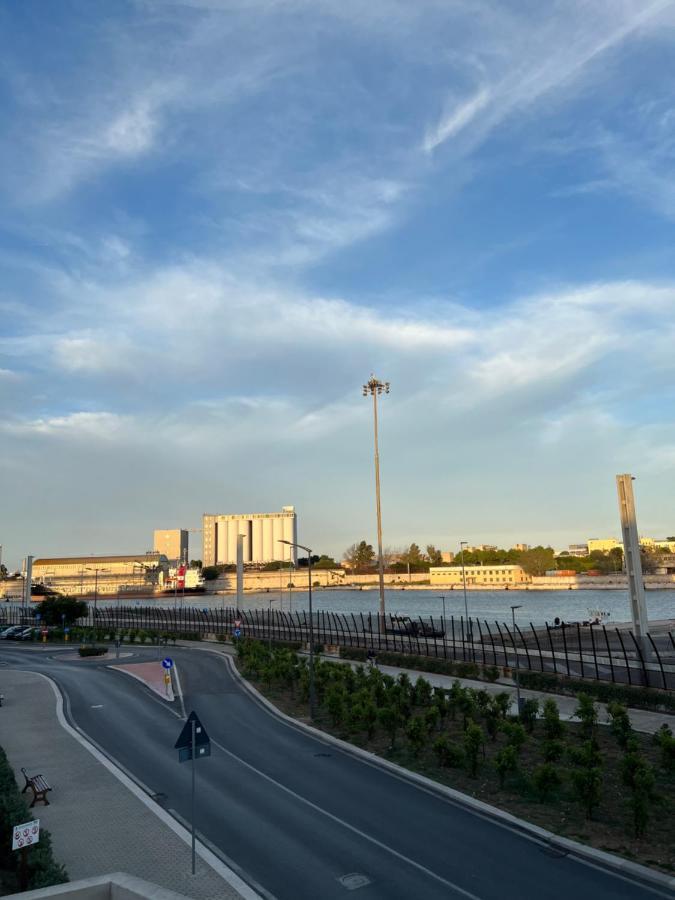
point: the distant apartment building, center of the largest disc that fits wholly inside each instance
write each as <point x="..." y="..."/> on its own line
<point x="77" y="575"/>
<point x="262" y="536"/>
<point x="483" y="576"/>
<point x="481" y="548"/>
<point x="604" y="545"/>
<point x="522" y="548"/>
<point x="576" y="550"/>
<point x="447" y="556"/>
<point x="173" y="543"/>
<point x="647" y="543"/>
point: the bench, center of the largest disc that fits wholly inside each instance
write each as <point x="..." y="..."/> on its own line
<point x="39" y="787"/>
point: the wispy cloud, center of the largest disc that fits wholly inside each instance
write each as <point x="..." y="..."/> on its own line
<point x="546" y="56"/>
<point x="456" y="119"/>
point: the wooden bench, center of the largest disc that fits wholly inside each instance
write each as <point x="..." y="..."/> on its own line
<point x="39" y="787"/>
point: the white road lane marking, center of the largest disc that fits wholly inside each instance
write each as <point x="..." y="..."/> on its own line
<point x="352" y="828"/>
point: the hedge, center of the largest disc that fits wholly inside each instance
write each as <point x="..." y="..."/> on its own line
<point x="603" y="691"/>
<point x="425" y="664"/>
<point x="92" y="651"/>
<point x="43" y="870"/>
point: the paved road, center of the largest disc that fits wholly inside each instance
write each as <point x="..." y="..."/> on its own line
<point x="297" y="814"/>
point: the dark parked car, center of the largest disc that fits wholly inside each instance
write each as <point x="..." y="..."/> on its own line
<point x="23" y="634"/>
<point x="428" y="629"/>
<point x="405" y="625"/>
<point x="8" y="633"/>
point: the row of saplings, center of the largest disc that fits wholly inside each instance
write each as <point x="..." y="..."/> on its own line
<point x="364" y="703"/>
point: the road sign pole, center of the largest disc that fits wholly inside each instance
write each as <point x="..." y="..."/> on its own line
<point x="194" y="753"/>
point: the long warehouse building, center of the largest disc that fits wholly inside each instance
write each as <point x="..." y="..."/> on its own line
<point x="262" y="533"/>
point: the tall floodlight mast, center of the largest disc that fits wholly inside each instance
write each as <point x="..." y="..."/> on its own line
<point x="375" y="388"/>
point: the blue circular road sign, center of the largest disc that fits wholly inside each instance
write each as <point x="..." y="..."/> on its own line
<point x="237" y="632"/>
<point x="167" y="662"/>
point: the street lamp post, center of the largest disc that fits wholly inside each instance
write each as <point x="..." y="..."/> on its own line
<point x="513" y="617"/>
<point x="95" y="571"/>
<point x="443" y="599"/>
<point x="312" y="695"/>
<point x="462" y="545"/>
<point x="376" y="388"/>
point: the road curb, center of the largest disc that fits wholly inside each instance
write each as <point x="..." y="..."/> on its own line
<point x="588" y="855"/>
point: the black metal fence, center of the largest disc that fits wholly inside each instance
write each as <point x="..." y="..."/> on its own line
<point x="575" y="650"/>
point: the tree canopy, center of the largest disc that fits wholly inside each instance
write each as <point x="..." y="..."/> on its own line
<point x="359" y="556"/>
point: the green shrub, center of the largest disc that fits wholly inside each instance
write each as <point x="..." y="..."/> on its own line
<point x="553" y="727"/>
<point x="447" y="752"/>
<point x="92" y="651"/>
<point x="546" y="780"/>
<point x="473" y="741"/>
<point x="528" y="714"/>
<point x="666" y="743"/>
<point x="552" y="751"/>
<point x="506" y="761"/>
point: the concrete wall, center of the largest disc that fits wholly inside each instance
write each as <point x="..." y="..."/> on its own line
<point x="118" y="886"/>
<point x="273" y="581"/>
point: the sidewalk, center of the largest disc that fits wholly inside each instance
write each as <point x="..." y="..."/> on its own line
<point x="98" y="825"/>
<point x="643" y="720"/>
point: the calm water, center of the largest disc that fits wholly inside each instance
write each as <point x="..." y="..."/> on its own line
<point x="537" y="606"/>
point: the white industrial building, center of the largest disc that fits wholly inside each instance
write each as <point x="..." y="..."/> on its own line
<point x="262" y="533"/>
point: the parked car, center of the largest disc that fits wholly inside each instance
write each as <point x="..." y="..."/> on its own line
<point x="8" y="633"/>
<point x="403" y="625"/>
<point x="427" y="629"/>
<point x="23" y="634"/>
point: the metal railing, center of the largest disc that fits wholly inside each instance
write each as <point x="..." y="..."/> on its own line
<point x="575" y="650"/>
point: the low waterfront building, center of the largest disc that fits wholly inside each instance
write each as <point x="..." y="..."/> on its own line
<point x="78" y="575"/>
<point x="483" y="576"/>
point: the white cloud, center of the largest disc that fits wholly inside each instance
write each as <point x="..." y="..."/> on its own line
<point x="457" y="119"/>
<point x="97" y="426"/>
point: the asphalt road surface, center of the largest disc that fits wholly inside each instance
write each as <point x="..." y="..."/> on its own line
<point x="295" y="814"/>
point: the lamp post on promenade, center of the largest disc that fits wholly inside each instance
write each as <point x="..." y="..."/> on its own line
<point x="312" y="695"/>
<point x="95" y="571"/>
<point x="443" y="599"/>
<point x="462" y="545"/>
<point x="375" y="388"/>
<point x="513" y="618"/>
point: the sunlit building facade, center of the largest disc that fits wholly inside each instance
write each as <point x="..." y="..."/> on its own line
<point x="262" y="535"/>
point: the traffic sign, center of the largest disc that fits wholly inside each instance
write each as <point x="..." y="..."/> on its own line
<point x="185" y="737"/>
<point x="38" y="616"/>
<point x="167" y="662"/>
<point x="25" y="835"/>
<point x="237" y="623"/>
<point x="237" y="632"/>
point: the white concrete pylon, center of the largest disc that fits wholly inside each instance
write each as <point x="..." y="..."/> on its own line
<point x="631" y="552"/>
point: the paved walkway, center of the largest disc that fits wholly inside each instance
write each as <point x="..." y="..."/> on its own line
<point x="152" y="674"/>
<point x="97" y="824"/>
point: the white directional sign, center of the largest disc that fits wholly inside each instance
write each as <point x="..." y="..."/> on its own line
<point x="25" y="835"/>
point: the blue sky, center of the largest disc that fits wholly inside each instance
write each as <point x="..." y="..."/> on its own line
<point x="218" y="218"/>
